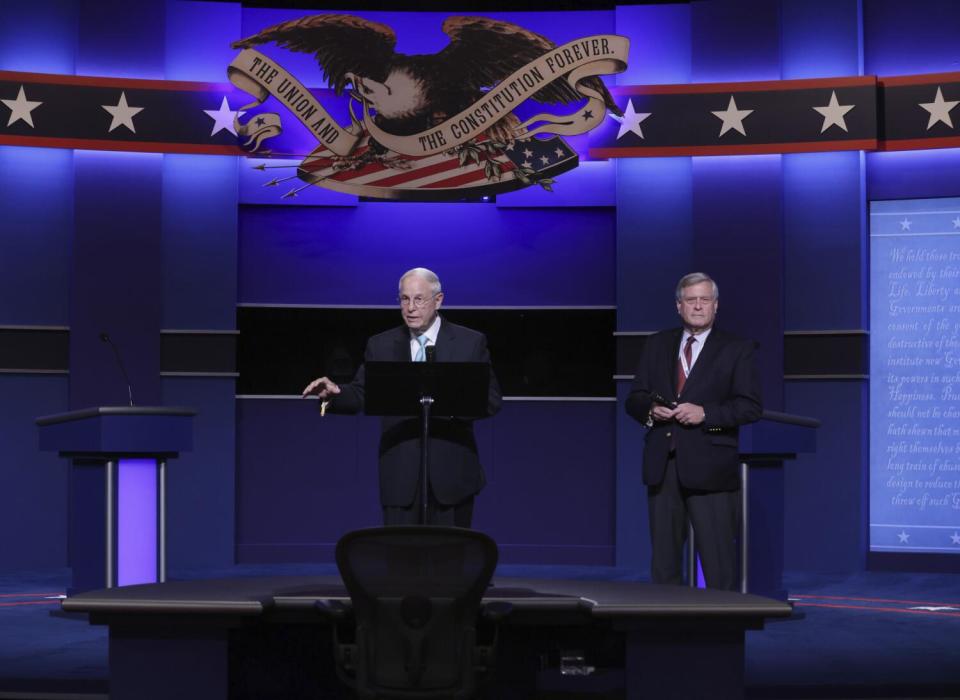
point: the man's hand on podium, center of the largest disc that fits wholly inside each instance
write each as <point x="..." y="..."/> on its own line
<point x="322" y="388"/>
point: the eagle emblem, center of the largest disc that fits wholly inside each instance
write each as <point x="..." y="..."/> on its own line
<point x="433" y="126"/>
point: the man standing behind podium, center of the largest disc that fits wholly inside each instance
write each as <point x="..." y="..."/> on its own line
<point x="456" y="475"/>
<point x="693" y="388"/>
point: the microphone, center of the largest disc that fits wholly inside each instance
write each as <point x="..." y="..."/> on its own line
<point x="105" y="337"/>
<point x="431" y="353"/>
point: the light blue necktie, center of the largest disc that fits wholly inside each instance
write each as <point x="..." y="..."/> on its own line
<point x="421" y="355"/>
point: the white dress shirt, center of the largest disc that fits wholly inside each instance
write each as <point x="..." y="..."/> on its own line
<point x="431" y="334"/>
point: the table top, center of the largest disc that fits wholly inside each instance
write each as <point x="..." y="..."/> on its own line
<point x="259" y="596"/>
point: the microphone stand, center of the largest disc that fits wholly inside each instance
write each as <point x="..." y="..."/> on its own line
<point x="105" y="337"/>
<point x="426" y="403"/>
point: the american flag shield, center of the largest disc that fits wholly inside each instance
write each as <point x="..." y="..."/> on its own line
<point x="478" y="168"/>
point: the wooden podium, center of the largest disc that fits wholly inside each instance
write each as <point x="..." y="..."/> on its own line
<point x="117" y="520"/>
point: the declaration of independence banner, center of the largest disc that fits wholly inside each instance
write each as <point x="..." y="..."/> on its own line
<point x="915" y="376"/>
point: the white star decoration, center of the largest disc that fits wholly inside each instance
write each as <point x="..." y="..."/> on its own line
<point x="955" y="537"/>
<point x="939" y="110"/>
<point x="956" y="222"/>
<point x="630" y="121"/>
<point x="833" y="113"/>
<point x="904" y="537"/>
<point x="122" y="113"/>
<point x="20" y="108"/>
<point x="223" y="117"/>
<point x="732" y="117"/>
<point x="905" y="224"/>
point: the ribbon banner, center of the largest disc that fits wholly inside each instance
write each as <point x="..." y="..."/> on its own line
<point x="261" y="77"/>
<point x="574" y="61"/>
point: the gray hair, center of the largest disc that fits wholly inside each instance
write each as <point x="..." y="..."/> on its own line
<point x="696" y="278"/>
<point x="425" y="274"/>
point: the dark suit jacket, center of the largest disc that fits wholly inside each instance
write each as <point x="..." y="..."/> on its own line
<point x="455" y="470"/>
<point x="724" y="381"/>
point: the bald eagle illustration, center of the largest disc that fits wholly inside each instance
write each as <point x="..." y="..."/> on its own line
<point x="412" y="93"/>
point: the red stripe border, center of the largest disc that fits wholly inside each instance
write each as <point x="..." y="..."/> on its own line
<point x="924" y="79"/>
<point x="756" y="86"/>
<point x="95" y="81"/>
<point x="920" y="144"/>
<point x="128" y="146"/>
<point x="732" y="150"/>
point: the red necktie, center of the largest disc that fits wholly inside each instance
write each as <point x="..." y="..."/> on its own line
<point x="688" y="356"/>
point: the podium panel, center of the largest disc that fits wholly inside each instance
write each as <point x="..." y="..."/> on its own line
<point x="138" y="543"/>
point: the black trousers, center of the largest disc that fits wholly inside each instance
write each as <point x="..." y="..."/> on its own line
<point x="714" y="514"/>
<point x="456" y="515"/>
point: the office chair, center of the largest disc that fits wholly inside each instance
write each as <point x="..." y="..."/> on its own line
<point x="416" y="600"/>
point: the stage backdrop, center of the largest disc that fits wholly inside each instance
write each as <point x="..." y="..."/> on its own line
<point x="786" y="236"/>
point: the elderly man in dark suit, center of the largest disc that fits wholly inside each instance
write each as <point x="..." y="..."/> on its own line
<point x="693" y="388"/>
<point x="455" y="473"/>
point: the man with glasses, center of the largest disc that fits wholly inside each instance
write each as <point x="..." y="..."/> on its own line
<point x="456" y="475"/>
<point x="694" y="386"/>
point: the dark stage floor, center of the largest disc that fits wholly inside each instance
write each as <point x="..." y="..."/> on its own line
<point x="871" y="635"/>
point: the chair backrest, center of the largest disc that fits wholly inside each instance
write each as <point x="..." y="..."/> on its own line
<point x="416" y="594"/>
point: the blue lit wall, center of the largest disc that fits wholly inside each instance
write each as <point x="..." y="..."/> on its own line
<point x="120" y="242"/>
<point x="199" y="203"/>
<point x="37" y="214"/>
<point x="654" y="249"/>
<point x="39" y="38"/>
<point x="36" y="237"/>
<point x="825" y="240"/>
<point x="907" y="38"/>
<point x="489" y="256"/>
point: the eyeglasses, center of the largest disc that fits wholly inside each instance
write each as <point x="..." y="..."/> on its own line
<point x="693" y="301"/>
<point x="418" y="301"/>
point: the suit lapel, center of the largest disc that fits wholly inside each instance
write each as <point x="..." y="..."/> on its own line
<point x="401" y="346"/>
<point x="672" y="360"/>
<point x="445" y="341"/>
